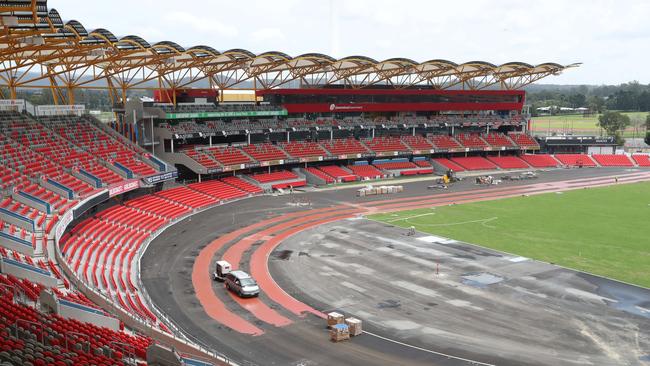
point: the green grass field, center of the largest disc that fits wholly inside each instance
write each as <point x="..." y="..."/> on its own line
<point x="601" y="230"/>
<point x="577" y="124"/>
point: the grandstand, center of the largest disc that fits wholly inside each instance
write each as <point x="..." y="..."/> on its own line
<point x="82" y="199"/>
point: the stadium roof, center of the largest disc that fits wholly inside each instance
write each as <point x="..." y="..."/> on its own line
<point x="38" y="49"/>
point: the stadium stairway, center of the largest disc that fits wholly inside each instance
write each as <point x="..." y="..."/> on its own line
<point x="641" y="160"/>
<point x="317" y="177"/>
<point x="524" y="141"/>
<point x="540" y="160"/>
<point x="576" y="160"/>
<point x="366" y="172"/>
<point x="474" y="163"/>
<point x="613" y="160"/>
<point x="281" y="179"/>
<point x="508" y="162"/>
<point x="338" y="173"/>
<point x="441" y="165"/>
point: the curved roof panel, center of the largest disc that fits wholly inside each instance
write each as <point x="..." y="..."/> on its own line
<point x="105" y="34"/>
<point x="61" y="39"/>
<point x="132" y="42"/>
<point x="203" y="51"/>
<point x="77" y="27"/>
<point x="167" y="47"/>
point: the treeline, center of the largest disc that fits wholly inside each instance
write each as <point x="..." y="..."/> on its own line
<point x="92" y="99"/>
<point x="631" y="96"/>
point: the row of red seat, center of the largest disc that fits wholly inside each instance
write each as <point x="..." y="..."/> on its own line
<point x="264" y="152"/>
<point x="102" y="249"/>
<point x="19" y="160"/>
<point x="337" y="173"/>
<point x="215" y="156"/>
<point x="82" y="133"/>
<point x="85" y="342"/>
<point x="543" y="161"/>
<point x="228" y="155"/>
<point x="202" y="158"/>
<point x="366" y="171"/>
<point x="274" y="176"/>
<point x="300" y="149"/>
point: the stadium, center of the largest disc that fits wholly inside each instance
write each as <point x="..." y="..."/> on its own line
<point x="390" y="212"/>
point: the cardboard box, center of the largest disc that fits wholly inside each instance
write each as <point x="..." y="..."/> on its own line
<point x="334" y="318"/>
<point x="354" y="326"/>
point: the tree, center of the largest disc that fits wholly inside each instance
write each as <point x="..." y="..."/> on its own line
<point x="613" y="122"/>
<point x="647" y="138"/>
<point x="577" y="100"/>
<point x="647" y="123"/>
<point x="596" y="103"/>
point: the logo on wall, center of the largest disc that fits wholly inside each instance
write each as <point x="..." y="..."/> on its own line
<point x="334" y="107"/>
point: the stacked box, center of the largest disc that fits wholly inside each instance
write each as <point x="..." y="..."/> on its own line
<point x="334" y="318"/>
<point x="339" y="332"/>
<point x="354" y="326"/>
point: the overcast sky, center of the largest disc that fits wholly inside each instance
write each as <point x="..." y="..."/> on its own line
<point x="610" y="38"/>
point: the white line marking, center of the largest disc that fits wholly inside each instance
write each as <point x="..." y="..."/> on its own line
<point x="428" y="350"/>
<point x="436" y="239"/>
<point x="463" y="304"/>
<point x="588" y="295"/>
<point x="353" y="286"/>
<point x="483" y="222"/>
<point x="411" y="217"/>
<point x="415" y="288"/>
<point x="518" y="259"/>
<point x="643" y="310"/>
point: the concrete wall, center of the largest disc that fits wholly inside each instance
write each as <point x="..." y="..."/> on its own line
<point x="18" y="220"/>
<point x="86" y="314"/>
<point x="31" y="201"/>
<point x="17" y="244"/>
<point x="22" y="270"/>
<point x="313" y="179"/>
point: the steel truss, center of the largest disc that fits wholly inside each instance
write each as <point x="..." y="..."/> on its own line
<point x="38" y="50"/>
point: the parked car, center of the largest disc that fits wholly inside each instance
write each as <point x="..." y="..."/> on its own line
<point x="242" y="284"/>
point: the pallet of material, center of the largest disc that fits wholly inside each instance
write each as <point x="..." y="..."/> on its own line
<point x="339" y="332"/>
<point x="354" y="326"/>
<point x="334" y="318"/>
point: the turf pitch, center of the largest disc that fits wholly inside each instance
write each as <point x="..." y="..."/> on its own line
<point x="604" y="231"/>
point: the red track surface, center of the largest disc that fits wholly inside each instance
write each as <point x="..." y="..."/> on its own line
<point x="282" y="227"/>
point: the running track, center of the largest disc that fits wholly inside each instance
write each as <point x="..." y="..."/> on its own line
<point x="272" y="232"/>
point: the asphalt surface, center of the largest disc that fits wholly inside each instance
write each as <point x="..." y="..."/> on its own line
<point x="166" y="271"/>
<point x="462" y="299"/>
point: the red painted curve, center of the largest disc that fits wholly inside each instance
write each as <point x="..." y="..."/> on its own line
<point x="260" y="268"/>
<point x="202" y="283"/>
<point x="234" y="256"/>
<point x="202" y="280"/>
